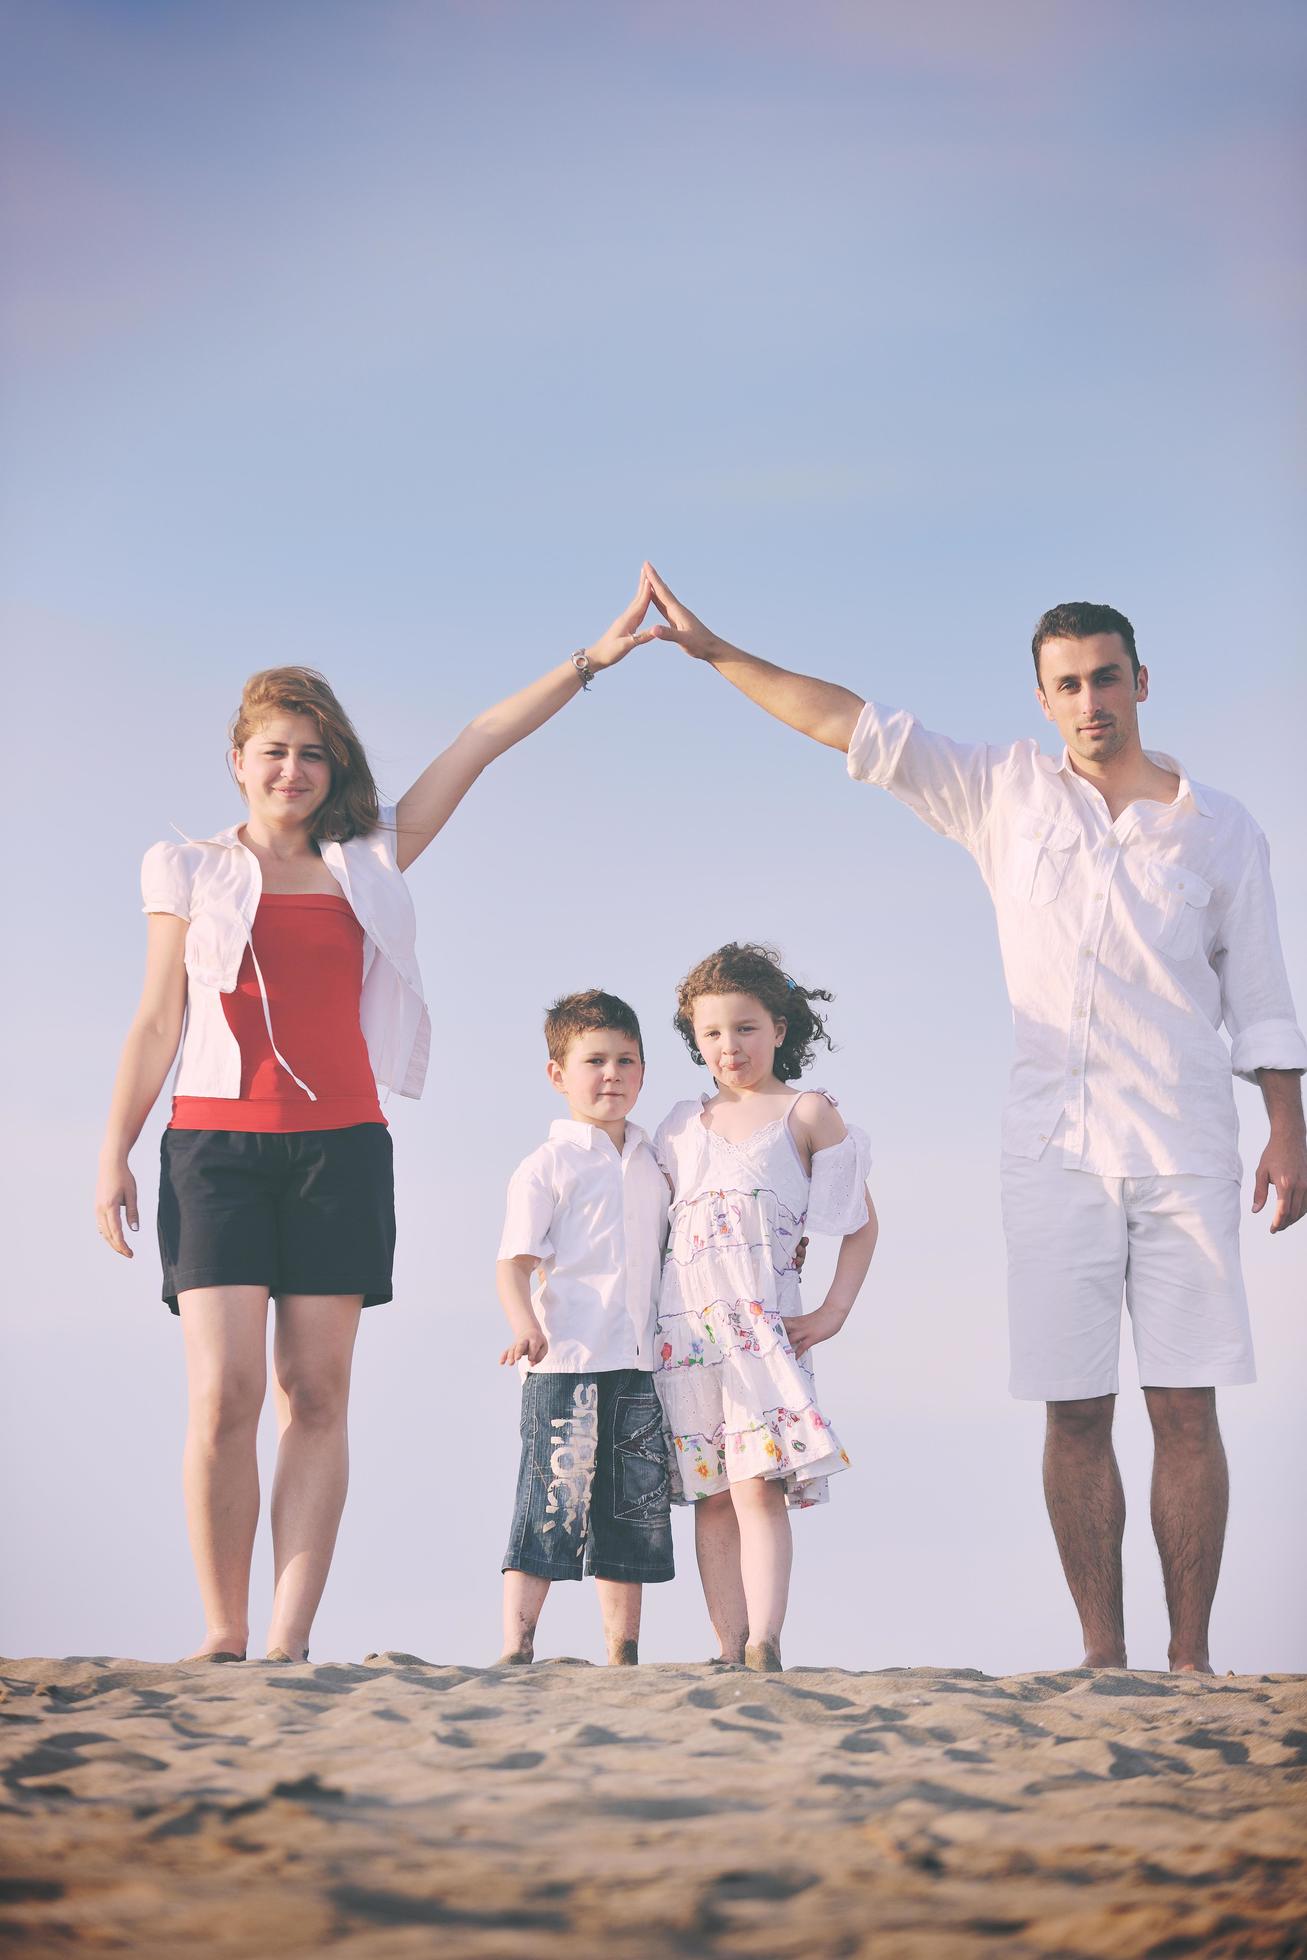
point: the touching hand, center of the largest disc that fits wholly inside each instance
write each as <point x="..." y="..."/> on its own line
<point x="115" y="1191"/>
<point x="531" y="1348"/>
<point x="624" y="633"/>
<point x="1284" y="1165"/>
<point x="804" y="1330"/>
<point x="681" y="625"/>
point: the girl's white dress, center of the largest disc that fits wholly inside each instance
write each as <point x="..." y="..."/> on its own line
<point x="737" y="1402"/>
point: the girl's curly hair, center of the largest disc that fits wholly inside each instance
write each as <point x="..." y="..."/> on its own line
<point x="757" y="971"/>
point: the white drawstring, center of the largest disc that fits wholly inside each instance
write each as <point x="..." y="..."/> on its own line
<point x="267" y="1017"/>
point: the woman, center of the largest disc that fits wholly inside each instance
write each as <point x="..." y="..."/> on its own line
<point x="286" y="948"/>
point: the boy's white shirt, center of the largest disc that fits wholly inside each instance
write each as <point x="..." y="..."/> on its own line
<point x="597" y="1224"/>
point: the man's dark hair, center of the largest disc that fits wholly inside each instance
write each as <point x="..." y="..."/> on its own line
<point x="1080" y="619"/>
<point x="588" y="1013"/>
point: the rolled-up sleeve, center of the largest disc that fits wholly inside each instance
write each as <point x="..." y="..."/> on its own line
<point x="1256" y="1002"/>
<point x="528" y="1213"/>
<point x="945" y="783"/>
<point x="166" y="881"/>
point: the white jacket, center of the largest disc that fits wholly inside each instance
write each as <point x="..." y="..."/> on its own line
<point x="216" y="885"/>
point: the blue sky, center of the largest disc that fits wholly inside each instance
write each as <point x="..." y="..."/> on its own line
<point x="391" y="337"/>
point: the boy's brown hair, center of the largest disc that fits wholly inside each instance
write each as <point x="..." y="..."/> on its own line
<point x="587" y="1013"/>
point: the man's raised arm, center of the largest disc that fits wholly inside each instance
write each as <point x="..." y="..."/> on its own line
<point x="827" y="713"/>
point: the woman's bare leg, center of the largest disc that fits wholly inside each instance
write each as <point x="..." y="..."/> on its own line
<point x="717" y="1548"/>
<point x="312" y="1353"/>
<point x="225" y="1329"/>
<point x="766" y="1553"/>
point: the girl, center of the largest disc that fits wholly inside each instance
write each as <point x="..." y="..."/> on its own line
<point x="749" y="1167"/>
<point x="285" y="945"/>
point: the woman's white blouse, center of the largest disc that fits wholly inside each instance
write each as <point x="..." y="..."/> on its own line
<point x="216" y="886"/>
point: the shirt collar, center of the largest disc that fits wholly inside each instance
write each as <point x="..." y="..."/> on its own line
<point x="1187" y="787"/>
<point x="565" y="1129"/>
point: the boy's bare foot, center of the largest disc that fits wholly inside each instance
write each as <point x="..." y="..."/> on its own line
<point x="726" y="1660"/>
<point x="623" y="1653"/>
<point x="516" y="1657"/>
<point x="763" y="1656"/>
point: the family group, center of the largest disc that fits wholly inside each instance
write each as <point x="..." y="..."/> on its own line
<point x="652" y="1285"/>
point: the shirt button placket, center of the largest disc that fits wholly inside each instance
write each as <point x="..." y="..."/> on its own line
<point x="1083" y="993"/>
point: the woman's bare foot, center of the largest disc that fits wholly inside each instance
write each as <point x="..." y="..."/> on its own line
<point x="623" y="1653"/>
<point x="763" y="1656"/>
<point x="222" y="1644"/>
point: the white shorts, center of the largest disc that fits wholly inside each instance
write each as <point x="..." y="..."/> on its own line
<point x="1076" y="1242"/>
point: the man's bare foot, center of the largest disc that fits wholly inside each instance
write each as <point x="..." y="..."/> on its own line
<point x="1203" y="1666"/>
<point x="763" y="1656"/>
<point x="1105" y="1657"/>
<point x="623" y="1653"/>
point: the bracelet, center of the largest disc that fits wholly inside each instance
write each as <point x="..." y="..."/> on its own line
<point x="581" y="661"/>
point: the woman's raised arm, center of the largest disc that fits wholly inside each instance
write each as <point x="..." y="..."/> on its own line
<point x="426" y="808"/>
<point x="146" y="1058"/>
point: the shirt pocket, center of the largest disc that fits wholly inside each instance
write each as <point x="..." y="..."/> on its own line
<point x="1175" y="906"/>
<point x="1041" y="851"/>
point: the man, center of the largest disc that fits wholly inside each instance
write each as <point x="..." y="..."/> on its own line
<point x="1135" y="914"/>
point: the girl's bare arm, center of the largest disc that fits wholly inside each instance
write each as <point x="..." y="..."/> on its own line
<point x="146" y="1058"/>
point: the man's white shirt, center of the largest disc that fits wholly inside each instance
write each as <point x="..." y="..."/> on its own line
<point x="1125" y="947"/>
<point x="597" y="1223"/>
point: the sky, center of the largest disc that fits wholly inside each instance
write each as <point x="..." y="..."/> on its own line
<point x="390" y="336"/>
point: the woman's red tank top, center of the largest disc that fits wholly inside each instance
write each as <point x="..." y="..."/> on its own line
<point x="309" y="948"/>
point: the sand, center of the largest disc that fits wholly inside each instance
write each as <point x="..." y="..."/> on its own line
<point x="395" y="1808"/>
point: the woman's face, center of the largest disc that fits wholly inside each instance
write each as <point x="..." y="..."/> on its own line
<point x="284" y="770"/>
<point x="737" y="1038"/>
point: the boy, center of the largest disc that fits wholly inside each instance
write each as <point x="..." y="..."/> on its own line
<point x="586" y="1220"/>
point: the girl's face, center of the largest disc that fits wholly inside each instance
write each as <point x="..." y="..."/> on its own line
<point x="737" y="1038"/>
<point x="284" y="769"/>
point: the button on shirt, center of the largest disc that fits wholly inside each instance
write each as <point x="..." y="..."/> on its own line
<point x="597" y="1222"/>
<point x="1125" y="946"/>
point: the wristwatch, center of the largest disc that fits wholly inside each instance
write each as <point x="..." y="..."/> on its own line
<point x="581" y="661"/>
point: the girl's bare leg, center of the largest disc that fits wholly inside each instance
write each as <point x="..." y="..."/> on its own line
<point x="717" y="1548"/>
<point x="766" y="1553"/>
<point x="524" y="1595"/>
<point x="312" y="1354"/>
<point x="225" y="1332"/>
<point x="620" y="1602"/>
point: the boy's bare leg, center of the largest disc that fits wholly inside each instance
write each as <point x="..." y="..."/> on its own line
<point x="524" y="1595"/>
<point x="1086" y="1508"/>
<point x="717" y="1548"/>
<point x="1191" y="1495"/>
<point x="766" y="1554"/>
<point x="620" y="1602"/>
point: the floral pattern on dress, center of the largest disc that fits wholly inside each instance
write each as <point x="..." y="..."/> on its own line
<point x="737" y="1401"/>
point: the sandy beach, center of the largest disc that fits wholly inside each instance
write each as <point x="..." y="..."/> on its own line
<point x="396" y="1808"/>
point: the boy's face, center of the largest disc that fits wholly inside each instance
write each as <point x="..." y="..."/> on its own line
<point x="600" y="1075"/>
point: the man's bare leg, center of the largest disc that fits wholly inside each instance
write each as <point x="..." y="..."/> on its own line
<point x="717" y="1548"/>
<point x="1086" y="1508"/>
<point x="1191" y="1496"/>
<point x="620" y="1602"/>
<point x="524" y="1595"/>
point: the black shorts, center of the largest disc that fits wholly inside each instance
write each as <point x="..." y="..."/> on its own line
<point x="312" y="1211"/>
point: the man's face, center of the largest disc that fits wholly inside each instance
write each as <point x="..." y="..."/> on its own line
<point x="1088" y="690"/>
<point x="600" y="1075"/>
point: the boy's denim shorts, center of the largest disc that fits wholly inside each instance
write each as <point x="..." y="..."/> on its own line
<point x="593" y="1490"/>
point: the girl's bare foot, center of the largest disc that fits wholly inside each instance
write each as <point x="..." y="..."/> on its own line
<point x="281" y="1657"/>
<point x="623" y="1653"/>
<point x="763" y="1656"/>
<point x="219" y="1654"/>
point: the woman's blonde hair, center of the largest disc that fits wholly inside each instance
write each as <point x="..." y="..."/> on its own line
<point x="351" y="808"/>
